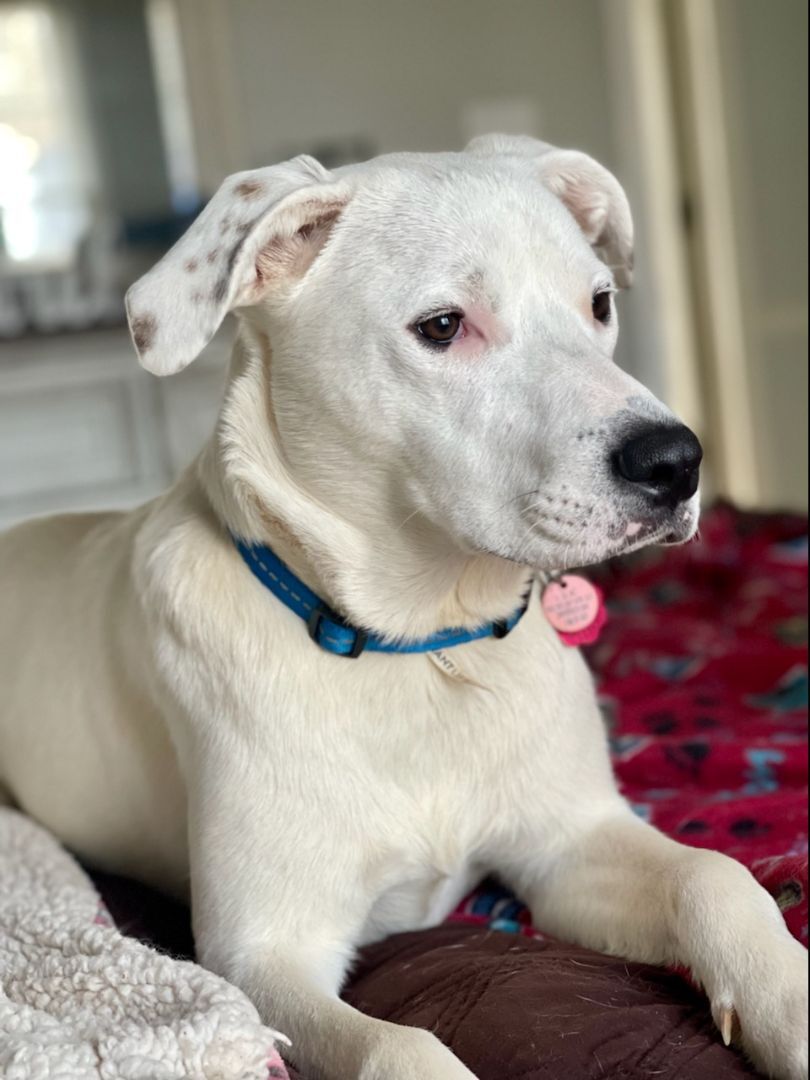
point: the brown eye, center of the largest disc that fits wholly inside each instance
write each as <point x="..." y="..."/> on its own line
<point x="602" y="307"/>
<point x="441" y="329"/>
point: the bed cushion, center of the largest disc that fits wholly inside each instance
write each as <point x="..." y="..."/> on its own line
<point x="513" y="1007"/>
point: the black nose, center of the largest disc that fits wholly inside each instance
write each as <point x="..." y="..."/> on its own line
<point x="663" y="461"/>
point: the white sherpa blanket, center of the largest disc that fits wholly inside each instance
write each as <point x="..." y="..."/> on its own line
<point x="78" y="1000"/>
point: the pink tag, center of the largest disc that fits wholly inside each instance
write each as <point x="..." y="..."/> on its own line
<point x="575" y="608"/>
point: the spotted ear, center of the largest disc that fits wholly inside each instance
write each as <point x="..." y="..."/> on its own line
<point x="593" y="195"/>
<point x="261" y="228"/>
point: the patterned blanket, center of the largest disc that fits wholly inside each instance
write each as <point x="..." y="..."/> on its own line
<point x="702" y="672"/>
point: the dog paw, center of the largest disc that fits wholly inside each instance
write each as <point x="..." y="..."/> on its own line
<point x="403" y="1053"/>
<point x="765" y="1012"/>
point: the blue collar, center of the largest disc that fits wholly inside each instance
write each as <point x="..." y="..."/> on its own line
<point x="333" y="633"/>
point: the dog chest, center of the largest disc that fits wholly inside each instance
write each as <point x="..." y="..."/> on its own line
<point x="418" y="901"/>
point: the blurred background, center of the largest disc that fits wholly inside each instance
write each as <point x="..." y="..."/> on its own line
<point x="119" y="118"/>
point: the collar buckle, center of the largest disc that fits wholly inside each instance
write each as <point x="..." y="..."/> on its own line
<point x="316" y="618"/>
<point x="502" y="627"/>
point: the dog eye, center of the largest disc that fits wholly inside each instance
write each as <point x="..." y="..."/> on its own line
<point x="601" y="307"/>
<point x="441" y="329"/>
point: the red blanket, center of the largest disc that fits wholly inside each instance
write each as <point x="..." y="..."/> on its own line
<point x="702" y="672"/>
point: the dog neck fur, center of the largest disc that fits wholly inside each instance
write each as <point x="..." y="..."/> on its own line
<point x="399" y="578"/>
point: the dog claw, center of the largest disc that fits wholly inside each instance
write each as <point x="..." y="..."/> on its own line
<point x="726" y="1022"/>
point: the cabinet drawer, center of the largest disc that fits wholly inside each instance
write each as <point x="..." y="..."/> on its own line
<point x="70" y="436"/>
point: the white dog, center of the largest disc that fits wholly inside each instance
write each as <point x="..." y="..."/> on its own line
<point x="422" y="413"/>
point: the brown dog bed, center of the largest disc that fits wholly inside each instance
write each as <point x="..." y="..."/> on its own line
<point x="511" y="1007"/>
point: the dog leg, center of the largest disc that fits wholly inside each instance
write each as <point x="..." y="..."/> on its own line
<point x="276" y="915"/>
<point x="331" y="1040"/>
<point x="624" y="888"/>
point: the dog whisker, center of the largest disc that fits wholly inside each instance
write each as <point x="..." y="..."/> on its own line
<point x="410" y="517"/>
<point x="514" y="498"/>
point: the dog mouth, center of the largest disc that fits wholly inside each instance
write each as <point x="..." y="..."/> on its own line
<point x="562" y="530"/>
<point x="584" y="543"/>
<point x="660" y="529"/>
<point x="663" y="534"/>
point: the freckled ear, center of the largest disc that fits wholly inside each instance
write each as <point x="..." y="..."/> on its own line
<point x="591" y="193"/>
<point x="260" y="229"/>
<point x="288" y="255"/>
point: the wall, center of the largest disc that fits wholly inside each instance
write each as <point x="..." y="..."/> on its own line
<point x="403" y="72"/>
<point x="765" y="66"/>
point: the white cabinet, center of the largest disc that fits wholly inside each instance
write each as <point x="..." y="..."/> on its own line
<point x="82" y="426"/>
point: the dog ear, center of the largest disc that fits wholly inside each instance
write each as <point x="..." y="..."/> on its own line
<point x="592" y="194"/>
<point x="260" y="229"/>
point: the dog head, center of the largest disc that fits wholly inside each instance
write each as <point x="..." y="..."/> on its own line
<point x="442" y="330"/>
